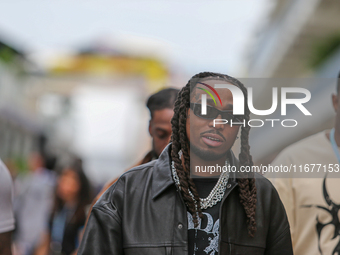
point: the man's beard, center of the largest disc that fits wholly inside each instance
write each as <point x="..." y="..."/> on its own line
<point x="207" y="154"/>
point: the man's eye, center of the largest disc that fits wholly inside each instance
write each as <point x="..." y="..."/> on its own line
<point x="210" y="110"/>
<point x="161" y="135"/>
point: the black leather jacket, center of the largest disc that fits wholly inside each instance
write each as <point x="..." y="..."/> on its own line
<point x="144" y="214"/>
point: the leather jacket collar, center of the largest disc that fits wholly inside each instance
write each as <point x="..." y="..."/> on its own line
<point x="162" y="177"/>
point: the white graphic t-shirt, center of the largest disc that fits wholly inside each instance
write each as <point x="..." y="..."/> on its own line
<point x="312" y="204"/>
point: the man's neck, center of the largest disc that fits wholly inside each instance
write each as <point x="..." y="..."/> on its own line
<point x="199" y="167"/>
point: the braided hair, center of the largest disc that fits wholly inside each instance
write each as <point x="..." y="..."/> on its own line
<point x="180" y="142"/>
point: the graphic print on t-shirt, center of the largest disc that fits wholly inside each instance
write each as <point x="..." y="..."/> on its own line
<point x="333" y="209"/>
<point x="203" y="240"/>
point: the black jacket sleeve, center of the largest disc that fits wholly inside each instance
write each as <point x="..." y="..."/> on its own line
<point x="279" y="240"/>
<point x="103" y="233"/>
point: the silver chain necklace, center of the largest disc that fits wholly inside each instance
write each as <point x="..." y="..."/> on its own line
<point x="216" y="193"/>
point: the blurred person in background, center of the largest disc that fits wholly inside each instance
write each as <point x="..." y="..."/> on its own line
<point x="161" y="106"/>
<point x="158" y="208"/>
<point x="6" y="210"/>
<point x="313" y="204"/>
<point x="72" y="198"/>
<point x="33" y="202"/>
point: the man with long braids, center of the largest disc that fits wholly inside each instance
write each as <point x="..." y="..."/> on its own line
<point x="168" y="207"/>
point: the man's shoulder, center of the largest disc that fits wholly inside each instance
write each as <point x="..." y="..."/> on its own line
<point x="307" y="142"/>
<point x="265" y="187"/>
<point x="262" y="183"/>
<point x="6" y="217"/>
<point x="306" y="148"/>
<point x="137" y="172"/>
<point x="136" y="176"/>
<point x="4" y="173"/>
<point x="5" y="179"/>
<point x="267" y="194"/>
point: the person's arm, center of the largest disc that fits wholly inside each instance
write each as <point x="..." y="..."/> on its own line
<point x="285" y="189"/>
<point x="146" y="159"/>
<point x="44" y="246"/>
<point x="279" y="240"/>
<point x="103" y="233"/>
<point x="6" y="243"/>
<point x="106" y="186"/>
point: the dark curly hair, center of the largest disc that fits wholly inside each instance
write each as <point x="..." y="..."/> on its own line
<point x="180" y="141"/>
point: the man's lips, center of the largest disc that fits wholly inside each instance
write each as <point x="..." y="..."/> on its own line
<point x="212" y="140"/>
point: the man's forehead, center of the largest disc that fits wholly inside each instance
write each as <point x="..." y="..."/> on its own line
<point x="163" y="116"/>
<point x="209" y="85"/>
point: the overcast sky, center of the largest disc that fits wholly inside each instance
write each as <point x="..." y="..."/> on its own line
<point x="197" y="35"/>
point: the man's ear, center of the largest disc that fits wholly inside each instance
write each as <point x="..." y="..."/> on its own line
<point x="335" y="101"/>
<point x="150" y="131"/>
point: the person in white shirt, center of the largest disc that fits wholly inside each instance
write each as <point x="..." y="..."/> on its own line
<point x="33" y="203"/>
<point x="6" y="210"/>
<point x="313" y="204"/>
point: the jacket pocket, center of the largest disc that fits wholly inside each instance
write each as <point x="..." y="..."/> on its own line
<point x="235" y="249"/>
